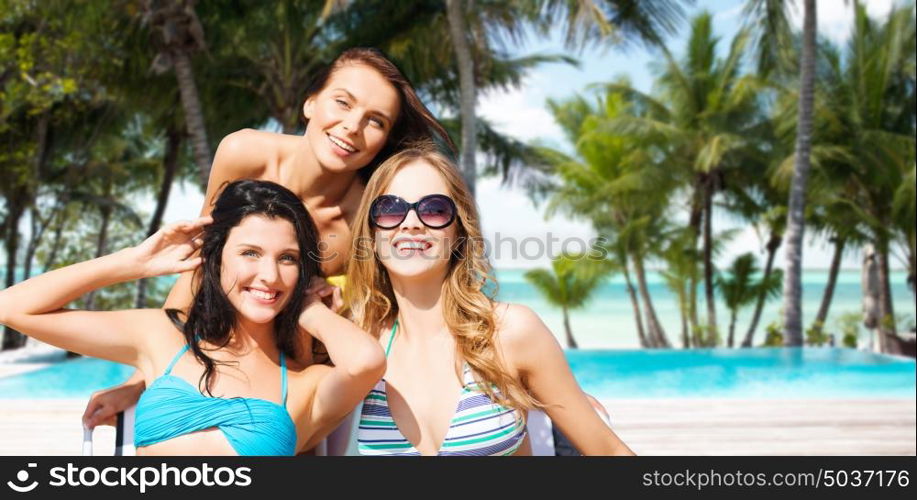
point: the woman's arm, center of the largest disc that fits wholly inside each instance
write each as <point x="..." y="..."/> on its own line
<point x="359" y="363"/>
<point x="105" y="405"/>
<point x="539" y="359"/>
<point x="35" y="306"/>
<point x="240" y="155"/>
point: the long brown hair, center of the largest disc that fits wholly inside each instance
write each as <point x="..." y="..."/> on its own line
<point x="414" y="123"/>
<point x="212" y="317"/>
<point x="468" y="307"/>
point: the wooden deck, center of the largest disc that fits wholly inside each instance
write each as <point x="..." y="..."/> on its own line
<point x="649" y="427"/>
<point x="767" y="427"/>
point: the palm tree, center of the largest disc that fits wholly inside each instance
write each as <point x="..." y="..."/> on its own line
<point x="682" y="272"/>
<point x="739" y="287"/>
<point x="832" y="216"/>
<point x="587" y="21"/>
<point x="619" y="183"/>
<point x="568" y="284"/>
<point x="864" y="140"/>
<point x="474" y="55"/>
<point x="880" y="117"/>
<point x="795" y="226"/>
<point x="623" y="22"/>
<point x="46" y="92"/>
<point x="707" y="114"/>
<point x="905" y="212"/>
<point x="455" y="14"/>
<point x="769" y="18"/>
<point x="759" y="200"/>
<point x="176" y="34"/>
<point x="273" y="50"/>
<point x="619" y="251"/>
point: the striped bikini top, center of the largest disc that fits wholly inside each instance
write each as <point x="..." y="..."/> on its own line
<point x="479" y="426"/>
<point x="171" y="407"/>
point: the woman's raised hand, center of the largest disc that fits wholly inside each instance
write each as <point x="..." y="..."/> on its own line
<point x="171" y="249"/>
<point x="321" y="291"/>
<point x="321" y="296"/>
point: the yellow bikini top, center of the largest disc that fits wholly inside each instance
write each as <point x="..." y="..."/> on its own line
<point x="337" y="280"/>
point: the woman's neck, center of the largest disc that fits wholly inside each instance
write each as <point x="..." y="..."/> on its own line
<point x="420" y="308"/>
<point x="319" y="186"/>
<point x="247" y="336"/>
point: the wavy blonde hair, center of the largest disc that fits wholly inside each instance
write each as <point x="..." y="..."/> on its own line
<point x="467" y="307"/>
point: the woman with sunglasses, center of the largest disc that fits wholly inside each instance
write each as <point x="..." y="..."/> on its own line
<point x="462" y="370"/>
<point x="358" y="111"/>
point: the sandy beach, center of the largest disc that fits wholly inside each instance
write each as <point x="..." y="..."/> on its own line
<point x="650" y="427"/>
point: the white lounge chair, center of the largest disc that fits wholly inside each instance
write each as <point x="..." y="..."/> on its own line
<point x="124" y="435"/>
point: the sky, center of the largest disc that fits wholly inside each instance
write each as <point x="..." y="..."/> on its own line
<point x="509" y="216"/>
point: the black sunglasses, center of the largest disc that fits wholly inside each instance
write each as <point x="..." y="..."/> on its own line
<point x="435" y="211"/>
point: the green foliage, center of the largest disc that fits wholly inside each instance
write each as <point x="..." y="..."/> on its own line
<point x="816" y="336"/>
<point x="849" y="324"/>
<point x="739" y="286"/>
<point x="79" y="244"/>
<point x="774" y="337"/>
<point x="707" y="335"/>
<point x="736" y="285"/>
<point x="82" y="121"/>
<point x="571" y="280"/>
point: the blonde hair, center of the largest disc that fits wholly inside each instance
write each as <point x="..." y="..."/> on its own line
<point x="467" y="308"/>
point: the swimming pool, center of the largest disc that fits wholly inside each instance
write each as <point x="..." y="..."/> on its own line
<point x="760" y="373"/>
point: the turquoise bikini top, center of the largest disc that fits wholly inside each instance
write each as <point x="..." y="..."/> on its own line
<point x="172" y="407"/>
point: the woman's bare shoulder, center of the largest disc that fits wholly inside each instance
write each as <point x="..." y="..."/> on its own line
<point x="250" y="153"/>
<point x="516" y="322"/>
<point x="520" y="331"/>
<point x="248" y="137"/>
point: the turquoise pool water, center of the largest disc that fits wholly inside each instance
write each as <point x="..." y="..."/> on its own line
<point x="762" y="373"/>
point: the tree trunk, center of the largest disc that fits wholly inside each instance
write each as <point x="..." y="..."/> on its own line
<point x="40" y="165"/>
<point x="887" y="325"/>
<point x="682" y="307"/>
<point x="912" y="274"/>
<point x="772" y="245"/>
<point x="732" y="329"/>
<point x="36" y="228"/>
<point x="795" y="227"/>
<point x="457" y="32"/>
<point x="39" y="227"/>
<point x="694" y="223"/>
<point x="194" y="117"/>
<point x="169" y="166"/>
<point x="58" y="238"/>
<point x="869" y="284"/>
<point x="912" y="262"/>
<point x="571" y="342"/>
<point x="708" y="262"/>
<point x="102" y="240"/>
<point x="822" y="315"/>
<point x="653" y="327"/>
<point x="644" y="341"/>
<point x="15" y="208"/>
